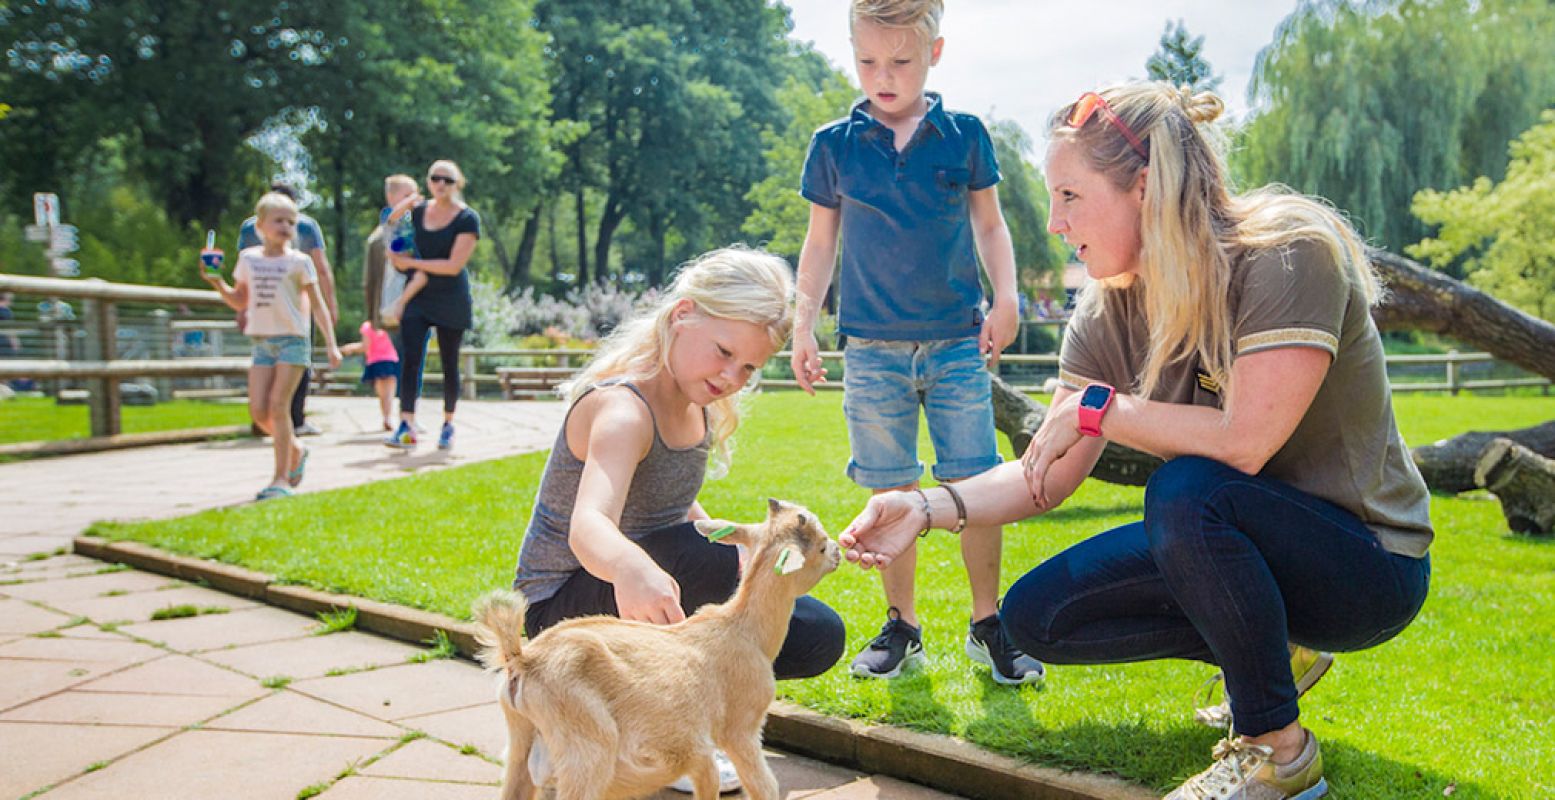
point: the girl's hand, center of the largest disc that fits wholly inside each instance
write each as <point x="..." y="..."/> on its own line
<point x="1059" y="432"/>
<point x="883" y="530"/>
<point x="334" y="357"/>
<point x="649" y="594"/>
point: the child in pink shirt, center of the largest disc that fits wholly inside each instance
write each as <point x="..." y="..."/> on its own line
<point x="383" y="365"/>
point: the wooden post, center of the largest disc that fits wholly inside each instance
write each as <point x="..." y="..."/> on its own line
<point x="1452" y="373"/>
<point x="162" y="349"/>
<point x="468" y="379"/>
<point x="102" y="321"/>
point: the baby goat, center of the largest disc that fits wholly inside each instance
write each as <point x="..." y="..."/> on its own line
<point x="610" y="709"/>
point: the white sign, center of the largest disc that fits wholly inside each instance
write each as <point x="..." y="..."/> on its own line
<point x="45" y="208"/>
<point x="37" y="233"/>
<point x="66" y="267"/>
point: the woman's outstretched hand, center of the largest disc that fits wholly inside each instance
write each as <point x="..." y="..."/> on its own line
<point x="883" y="530"/>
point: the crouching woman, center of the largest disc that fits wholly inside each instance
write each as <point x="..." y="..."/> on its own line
<point x="1288" y="518"/>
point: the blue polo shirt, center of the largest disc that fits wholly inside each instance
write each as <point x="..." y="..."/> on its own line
<point x="909" y="261"/>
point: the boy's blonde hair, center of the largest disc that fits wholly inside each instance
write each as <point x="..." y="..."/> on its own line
<point x="400" y="181"/>
<point x="735" y="283"/>
<point x="1192" y="226"/>
<point x="919" y="16"/>
<point x="271" y="203"/>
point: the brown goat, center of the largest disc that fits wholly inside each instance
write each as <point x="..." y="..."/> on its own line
<point x="609" y="708"/>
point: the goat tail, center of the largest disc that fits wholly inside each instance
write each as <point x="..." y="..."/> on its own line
<point x="499" y="628"/>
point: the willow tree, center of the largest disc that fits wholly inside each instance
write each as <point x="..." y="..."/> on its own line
<point x="1366" y="102"/>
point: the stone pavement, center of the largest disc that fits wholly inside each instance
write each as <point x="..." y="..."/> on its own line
<point x="242" y="700"/>
<point x="97" y="700"/>
<point x="45" y="502"/>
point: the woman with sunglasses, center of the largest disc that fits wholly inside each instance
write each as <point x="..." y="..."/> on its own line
<point x="1231" y="336"/>
<point x="446" y="232"/>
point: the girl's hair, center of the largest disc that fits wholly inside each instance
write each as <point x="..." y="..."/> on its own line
<point x="1192" y="227"/>
<point x="919" y="16"/>
<point x="272" y="202"/>
<point x="458" y="176"/>
<point x="735" y="283"/>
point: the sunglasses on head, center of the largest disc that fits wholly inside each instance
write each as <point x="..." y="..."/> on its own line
<point x="442" y="179"/>
<point x="1090" y="103"/>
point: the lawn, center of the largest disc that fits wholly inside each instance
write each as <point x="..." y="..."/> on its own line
<point x="40" y="419"/>
<point x="1461" y="699"/>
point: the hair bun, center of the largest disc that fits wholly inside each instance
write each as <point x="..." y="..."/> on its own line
<point x="1200" y="106"/>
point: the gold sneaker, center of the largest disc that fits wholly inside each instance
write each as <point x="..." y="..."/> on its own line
<point x="1307" y="666"/>
<point x="1245" y="771"/>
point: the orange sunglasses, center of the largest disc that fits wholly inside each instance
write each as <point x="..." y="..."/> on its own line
<point x="1090" y="103"/>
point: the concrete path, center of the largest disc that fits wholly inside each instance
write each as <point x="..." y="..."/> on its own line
<point x="45" y="502"/>
<point x="97" y="700"/>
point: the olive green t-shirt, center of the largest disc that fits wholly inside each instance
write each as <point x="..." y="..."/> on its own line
<point x="1347" y="448"/>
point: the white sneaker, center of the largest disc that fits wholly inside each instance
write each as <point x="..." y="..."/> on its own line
<point x="728" y="779"/>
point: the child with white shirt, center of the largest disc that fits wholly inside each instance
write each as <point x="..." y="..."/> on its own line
<point x="277" y="286"/>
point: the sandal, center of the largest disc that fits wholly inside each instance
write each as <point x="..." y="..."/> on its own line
<point x="272" y="492"/>
<point x="294" y="477"/>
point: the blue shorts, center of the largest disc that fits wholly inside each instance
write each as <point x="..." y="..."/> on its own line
<point x="272" y="350"/>
<point x="884" y="382"/>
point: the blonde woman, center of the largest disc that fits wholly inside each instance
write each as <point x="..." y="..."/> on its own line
<point x="446" y="233"/>
<point x="1231" y="336"/>
<point x="611" y="531"/>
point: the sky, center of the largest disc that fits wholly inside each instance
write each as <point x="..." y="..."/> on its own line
<point x="1022" y="59"/>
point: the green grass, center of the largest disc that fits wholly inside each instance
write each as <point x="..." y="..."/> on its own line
<point x="1462" y="697"/>
<point x="39" y="419"/>
<point x="342" y="619"/>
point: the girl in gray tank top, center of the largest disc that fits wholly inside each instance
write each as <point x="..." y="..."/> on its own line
<point x="654" y="410"/>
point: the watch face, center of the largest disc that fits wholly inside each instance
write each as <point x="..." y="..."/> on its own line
<point x="1095" y="396"/>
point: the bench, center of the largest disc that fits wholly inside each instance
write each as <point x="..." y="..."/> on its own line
<point x="532" y="383"/>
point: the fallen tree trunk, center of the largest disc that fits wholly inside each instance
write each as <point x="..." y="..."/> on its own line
<point x="1524" y="482"/>
<point x="1449" y="465"/>
<point x="1018" y="417"/>
<point x="1420" y="298"/>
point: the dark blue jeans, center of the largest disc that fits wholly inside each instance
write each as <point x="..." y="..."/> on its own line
<point x="707" y="573"/>
<point x="1226" y="568"/>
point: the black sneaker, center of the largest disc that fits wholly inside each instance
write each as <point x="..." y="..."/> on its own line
<point x="898" y="646"/>
<point x="985" y="644"/>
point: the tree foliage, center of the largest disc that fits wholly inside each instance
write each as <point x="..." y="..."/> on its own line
<point x="1039" y="256"/>
<point x="1368" y="102"/>
<point x="1180" y="60"/>
<point x="1501" y="232"/>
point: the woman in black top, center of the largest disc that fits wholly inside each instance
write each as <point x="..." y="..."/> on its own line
<point x="446" y="231"/>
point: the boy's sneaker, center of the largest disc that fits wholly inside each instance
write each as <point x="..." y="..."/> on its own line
<point x="1244" y="771"/>
<point x="898" y="647"/>
<point x="986" y="644"/>
<point x="1307" y="666"/>
<point x="445" y="439"/>
<point x="403" y="437"/>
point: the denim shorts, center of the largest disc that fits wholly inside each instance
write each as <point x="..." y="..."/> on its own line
<point x="885" y="382"/>
<point x="272" y="350"/>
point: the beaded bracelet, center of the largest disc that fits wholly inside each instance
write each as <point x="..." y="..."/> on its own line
<point x="928" y="519"/>
<point x="960" y="508"/>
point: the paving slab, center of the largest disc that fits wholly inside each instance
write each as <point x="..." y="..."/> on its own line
<point x="428" y="760"/>
<point x="54" y="592"/>
<point x="287" y="711"/>
<point x="24" y="680"/>
<point x="139" y="607"/>
<point x="481" y="727"/>
<point x="879" y="787"/>
<point x="400" y="693"/>
<point x="56" y="752"/>
<point x="18" y="617"/>
<point x="219" y="631"/>
<point x="178" y="674"/>
<point x="119" y="653"/>
<point x="98" y="708"/>
<point x="53" y="563"/>
<point x="363" y="788"/>
<point x="314" y="656"/>
<point x="224" y="764"/>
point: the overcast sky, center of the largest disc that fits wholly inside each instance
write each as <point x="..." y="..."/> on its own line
<point x="1021" y="59"/>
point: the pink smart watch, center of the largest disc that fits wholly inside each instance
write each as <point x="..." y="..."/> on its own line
<point x="1094" y="402"/>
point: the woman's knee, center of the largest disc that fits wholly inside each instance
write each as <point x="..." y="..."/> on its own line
<point x="1028" y="611"/>
<point x="815" y="641"/>
<point x="1176" y="498"/>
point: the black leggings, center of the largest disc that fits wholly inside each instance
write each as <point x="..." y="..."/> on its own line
<point x="300" y="397"/>
<point x="707" y="573"/>
<point x="415" y="332"/>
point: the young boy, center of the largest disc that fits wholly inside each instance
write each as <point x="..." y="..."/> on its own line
<point x="910" y="188"/>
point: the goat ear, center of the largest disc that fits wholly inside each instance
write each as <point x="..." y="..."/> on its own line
<point x="719" y="530"/>
<point x="789" y="560"/>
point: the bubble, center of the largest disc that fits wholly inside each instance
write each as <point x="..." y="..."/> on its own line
<point x="637" y="90"/>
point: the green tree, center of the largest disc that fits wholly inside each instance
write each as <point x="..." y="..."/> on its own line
<point x="779" y="215"/>
<point x="1501" y="232"/>
<point x="1366" y="103"/>
<point x="1039" y="256"/>
<point x="1181" y="60"/>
